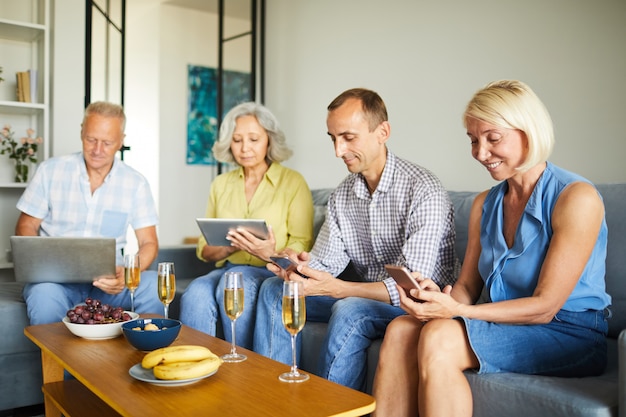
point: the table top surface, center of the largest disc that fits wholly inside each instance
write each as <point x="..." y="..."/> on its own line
<point x="249" y="388"/>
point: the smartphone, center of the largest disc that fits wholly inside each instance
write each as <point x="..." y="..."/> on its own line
<point x="403" y="278"/>
<point x="287" y="264"/>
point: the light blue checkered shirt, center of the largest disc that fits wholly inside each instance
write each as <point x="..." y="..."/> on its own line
<point x="409" y="221"/>
<point x="60" y="195"/>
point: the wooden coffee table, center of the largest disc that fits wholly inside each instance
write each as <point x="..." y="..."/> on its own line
<point x="103" y="385"/>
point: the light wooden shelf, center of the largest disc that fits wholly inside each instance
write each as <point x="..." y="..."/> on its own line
<point x="13" y="184"/>
<point x="20" y="31"/>
<point x="21" y="108"/>
<point x="6" y="265"/>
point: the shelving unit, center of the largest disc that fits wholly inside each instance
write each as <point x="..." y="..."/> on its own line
<point x="24" y="45"/>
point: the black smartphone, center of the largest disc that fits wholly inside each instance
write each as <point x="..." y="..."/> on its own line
<point x="287" y="264"/>
<point x="403" y="278"/>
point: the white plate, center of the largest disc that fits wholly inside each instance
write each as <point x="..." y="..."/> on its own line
<point x="139" y="372"/>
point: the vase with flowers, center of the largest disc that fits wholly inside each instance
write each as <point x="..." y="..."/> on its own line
<point x="22" y="151"/>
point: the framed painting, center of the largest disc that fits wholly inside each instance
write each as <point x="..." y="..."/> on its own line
<point x="202" y="128"/>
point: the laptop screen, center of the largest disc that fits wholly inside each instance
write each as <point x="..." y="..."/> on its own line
<point x="62" y="259"/>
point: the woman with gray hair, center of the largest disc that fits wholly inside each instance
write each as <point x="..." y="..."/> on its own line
<point x="260" y="188"/>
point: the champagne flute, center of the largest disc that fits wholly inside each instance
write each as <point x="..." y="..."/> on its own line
<point x="294" y="317"/>
<point x="166" y="284"/>
<point x="132" y="275"/>
<point x="233" y="305"/>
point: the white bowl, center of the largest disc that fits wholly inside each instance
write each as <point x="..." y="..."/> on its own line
<point x="97" y="331"/>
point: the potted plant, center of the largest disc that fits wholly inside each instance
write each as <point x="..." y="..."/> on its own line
<point x="22" y="151"/>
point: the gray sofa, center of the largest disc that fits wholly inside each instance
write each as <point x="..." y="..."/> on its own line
<point x="507" y="395"/>
<point x="495" y="395"/>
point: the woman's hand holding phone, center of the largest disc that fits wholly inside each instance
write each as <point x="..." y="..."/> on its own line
<point x="433" y="302"/>
<point x="404" y="279"/>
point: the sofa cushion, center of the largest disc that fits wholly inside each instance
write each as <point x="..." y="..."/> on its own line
<point x="21" y="380"/>
<point x="614" y="196"/>
<point x="20" y="359"/>
<point x="320" y="198"/>
<point x="531" y="395"/>
<point x="13" y="309"/>
<point x="462" y="202"/>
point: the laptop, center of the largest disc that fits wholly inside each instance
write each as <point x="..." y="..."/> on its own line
<point x="61" y="259"/>
<point x="215" y="230"/>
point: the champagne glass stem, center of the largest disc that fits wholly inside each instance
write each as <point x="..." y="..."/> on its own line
<point x="233" y="344"/>
<point x="166" y="308"/>
<point x="132" y="300"/>
<point x="294" y="367"/>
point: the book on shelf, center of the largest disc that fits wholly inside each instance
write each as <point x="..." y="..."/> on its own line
<point x="18" y="86"/>
<point x="24" y="87"/>
<point x="32" y="76"/>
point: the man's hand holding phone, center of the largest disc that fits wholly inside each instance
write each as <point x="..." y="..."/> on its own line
<point x="286" y="264"/>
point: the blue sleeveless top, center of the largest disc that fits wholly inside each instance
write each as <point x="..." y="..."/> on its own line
<point x="513" y="273"/>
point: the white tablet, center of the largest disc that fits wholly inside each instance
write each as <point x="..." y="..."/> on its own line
<point x="215" y="230"/>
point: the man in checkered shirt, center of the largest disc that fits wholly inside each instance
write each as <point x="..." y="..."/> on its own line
<point x="92" y="194"/>
<point x="387" y="211"/>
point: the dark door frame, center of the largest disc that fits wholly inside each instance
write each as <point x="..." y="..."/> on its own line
<point x="91" y="7"/>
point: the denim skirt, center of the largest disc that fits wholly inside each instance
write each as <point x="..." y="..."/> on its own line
<point x="573" y="344"/>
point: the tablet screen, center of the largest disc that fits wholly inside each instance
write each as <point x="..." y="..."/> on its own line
<point x="216" y="230"/>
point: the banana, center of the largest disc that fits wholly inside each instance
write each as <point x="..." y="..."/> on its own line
<point x="179" y="364"/>
<point x="187" y="370"/>
<point x="171" y="354"/>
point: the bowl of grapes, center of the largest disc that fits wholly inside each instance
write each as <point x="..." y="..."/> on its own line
<point x="97" y="321"/>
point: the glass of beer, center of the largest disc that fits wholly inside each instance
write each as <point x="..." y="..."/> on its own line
<point x="132" y="275"/>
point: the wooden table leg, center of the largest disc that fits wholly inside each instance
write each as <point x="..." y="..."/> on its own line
<point x="52" y="372"/>
<point x="50" y="407"/>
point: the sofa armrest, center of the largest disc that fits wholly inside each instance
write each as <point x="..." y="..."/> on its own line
<point x="621" y="385"/>
<point x="185" y="261"/>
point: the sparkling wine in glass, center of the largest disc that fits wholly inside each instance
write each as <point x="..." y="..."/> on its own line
<point x="294" y="317"/>
<point x="132" y="276"/>
<point x="233" y="306"/>
<point x="166" y="284"/>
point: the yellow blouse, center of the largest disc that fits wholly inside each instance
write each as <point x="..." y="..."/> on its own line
<point x="283" y="199"/>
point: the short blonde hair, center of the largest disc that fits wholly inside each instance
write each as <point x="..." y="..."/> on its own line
<point x="277" y="150"/>
<point x="512" y="104"/>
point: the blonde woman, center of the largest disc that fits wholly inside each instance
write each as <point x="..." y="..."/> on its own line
<point x="537" y="244"/>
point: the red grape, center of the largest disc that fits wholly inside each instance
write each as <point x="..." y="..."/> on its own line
<point x="94" y="312"/>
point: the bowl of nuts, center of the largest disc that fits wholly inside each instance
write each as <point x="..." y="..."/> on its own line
<point x="151" y="334"/>
<point x="96" y="321"/>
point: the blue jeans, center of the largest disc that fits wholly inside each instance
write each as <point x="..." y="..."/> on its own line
<point x="203" y="302"/>
<point x="48" y="302"/>
<point x="353" y="323"/>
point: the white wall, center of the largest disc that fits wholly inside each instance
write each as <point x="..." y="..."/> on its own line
<point x="427" y="58"/>
<point x="67" y="89"/>
<point x="186" y="37"/>
<point x="142" y="96"/>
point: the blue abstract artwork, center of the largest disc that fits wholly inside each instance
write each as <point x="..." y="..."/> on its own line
<point x="202" y="125"/>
